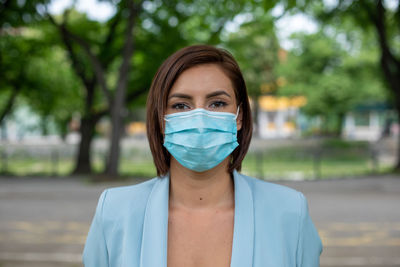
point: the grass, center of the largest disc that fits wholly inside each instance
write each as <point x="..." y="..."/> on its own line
<point x="337" y="160"/>
<point x="282" y="163"/>
<point x="36" y="166"/>
<point x="273" y="169"/>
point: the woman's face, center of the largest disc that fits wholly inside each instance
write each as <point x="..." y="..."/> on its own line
<point x="203" y="86"/>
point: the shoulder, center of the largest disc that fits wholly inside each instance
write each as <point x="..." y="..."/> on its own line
<point x="264" y="189"/>
<point x="117" y="201"/>
<point x="273" y="197"/>
<point x="130" y="191"/>
<point x="282" y="218"/>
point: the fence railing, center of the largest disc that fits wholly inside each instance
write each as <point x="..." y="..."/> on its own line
<point x="265" y="159"/>
<point x="299" y="163"/>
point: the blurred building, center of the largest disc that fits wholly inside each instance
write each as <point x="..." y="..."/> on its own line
<point x="136" y="128"/>
<point x="370" y="122"/>
<point x="279" y="117"/>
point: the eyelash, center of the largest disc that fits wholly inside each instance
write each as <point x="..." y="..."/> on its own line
<point x="179" y="106"/>
<point x="183" y="106"/>
<point x="220" y="104"/>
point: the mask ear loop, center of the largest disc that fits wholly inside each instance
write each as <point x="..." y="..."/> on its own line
<point x="237" y="112"/>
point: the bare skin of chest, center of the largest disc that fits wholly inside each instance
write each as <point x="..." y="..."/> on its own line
<point x="200" y="238"/>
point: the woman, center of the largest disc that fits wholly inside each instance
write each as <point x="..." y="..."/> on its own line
<point x="200" y="211"/>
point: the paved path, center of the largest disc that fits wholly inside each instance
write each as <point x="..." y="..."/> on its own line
<point x="44" y="222"/>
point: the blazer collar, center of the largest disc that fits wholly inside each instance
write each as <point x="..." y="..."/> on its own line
<point x="155" y="226"/>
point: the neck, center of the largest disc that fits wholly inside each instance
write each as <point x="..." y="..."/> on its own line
<point x="201" y="190"/>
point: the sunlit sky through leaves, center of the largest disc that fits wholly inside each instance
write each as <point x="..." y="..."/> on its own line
<point x="287" y="25"/>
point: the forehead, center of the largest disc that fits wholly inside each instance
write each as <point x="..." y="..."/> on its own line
<point x="201" y="80"/>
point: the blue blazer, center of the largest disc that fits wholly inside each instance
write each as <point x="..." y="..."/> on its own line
<point x="272" y="226"/>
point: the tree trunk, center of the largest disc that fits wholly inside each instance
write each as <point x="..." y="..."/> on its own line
<point x="389" y="63"/>
<point x="118" y="104"/>
<point x="116" y="134"/>
<point x="397" y="165"/>
<point x="87" y="125"/>
<point x="83" y="160"/>
<point x="392" y="74"/>
<point x="339" y="127"/>
<point x="10" y="102"/>
<point x="256" y="133"/>
<point x="44" y="127"/>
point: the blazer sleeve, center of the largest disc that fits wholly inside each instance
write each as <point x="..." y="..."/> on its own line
<point x="309" y="246"/>
<point x="95" y="253"/>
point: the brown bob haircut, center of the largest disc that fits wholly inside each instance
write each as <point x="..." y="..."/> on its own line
<point x="162" y="83"/>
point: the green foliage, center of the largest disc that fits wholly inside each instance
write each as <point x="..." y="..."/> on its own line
<point x="164" y="27"/>
<point x="373" y="26"/>
<point x="40" y="73"/>
<point x="362" y="14"/>
<point x="255" y="47"/>
<point x="333" y="78"/>
<point x="18" y="13"/>
<point x="56" y="93"/>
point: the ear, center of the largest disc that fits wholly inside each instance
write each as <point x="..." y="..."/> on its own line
<point x="239" y="119"/>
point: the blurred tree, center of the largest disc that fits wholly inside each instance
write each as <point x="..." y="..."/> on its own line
<point x="12" y="70"/>
<point x="332" y="79"/>
<point x="93" y="49"/>
<point x="14" y="15"/>
<point x="30" y="58"/>
<point x="383" y="17"/>
<point x="43" y="75"/>
<point x="56" y="95"/>
<point x="256" y="48"/>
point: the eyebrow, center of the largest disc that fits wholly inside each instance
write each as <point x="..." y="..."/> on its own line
<point x="216" y="93"/>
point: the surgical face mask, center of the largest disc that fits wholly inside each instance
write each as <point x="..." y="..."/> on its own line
<point x="200" y="139"/>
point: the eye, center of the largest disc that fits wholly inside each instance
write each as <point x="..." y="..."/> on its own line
<point x="217" y="104"/>
<point x="180" y="106"/>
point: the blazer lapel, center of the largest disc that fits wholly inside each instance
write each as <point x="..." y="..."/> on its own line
<point x="155" y="226"/>
<point x="243" y="233"/>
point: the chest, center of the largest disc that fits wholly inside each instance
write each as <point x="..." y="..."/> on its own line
<point x="200" y="238"/>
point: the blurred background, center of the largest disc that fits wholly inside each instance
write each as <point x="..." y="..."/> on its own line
<point x="324" y="83"/>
